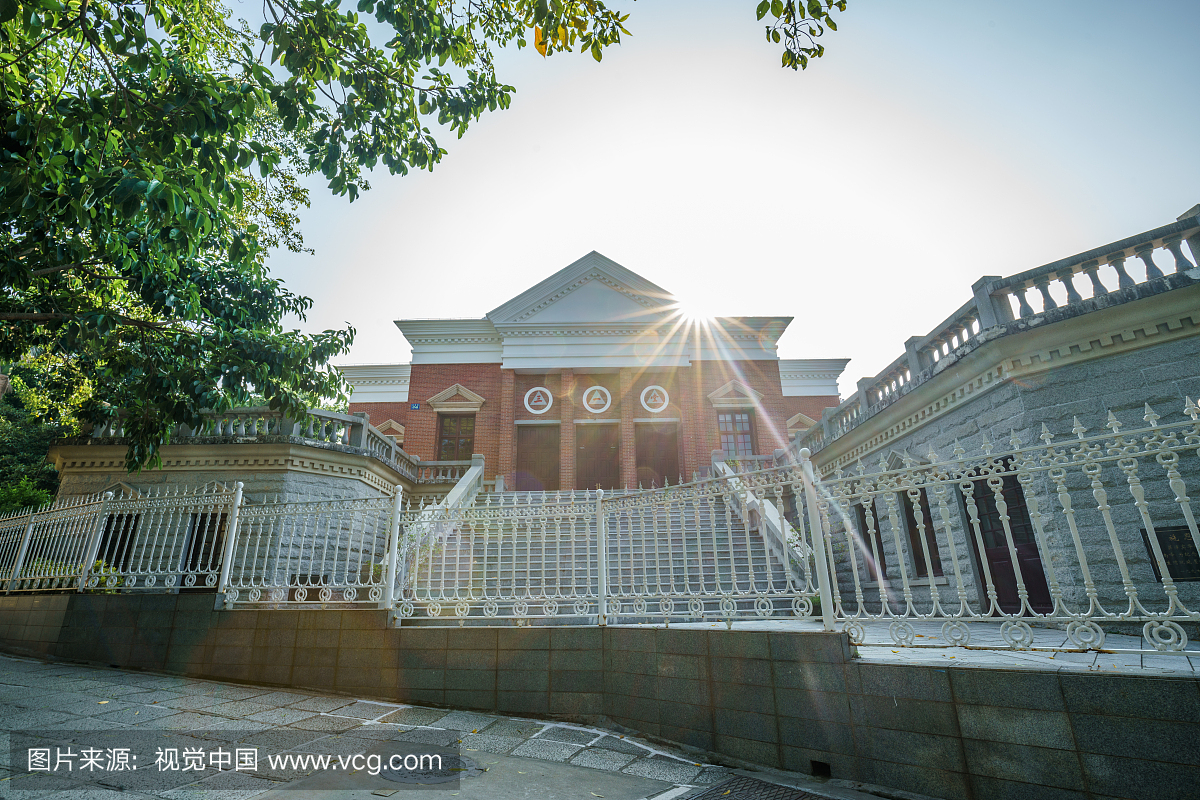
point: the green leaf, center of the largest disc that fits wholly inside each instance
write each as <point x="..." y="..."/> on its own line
<point x="763" y="8"/>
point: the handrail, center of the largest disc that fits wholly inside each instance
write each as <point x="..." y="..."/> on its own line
<point x="757" y="512"/>
<point x="329" y="427"/>
<point x="1001" y="306"/>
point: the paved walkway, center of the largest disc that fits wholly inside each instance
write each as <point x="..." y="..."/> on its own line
<point x="77" y="707"/>
<point x="1050" y="650"/>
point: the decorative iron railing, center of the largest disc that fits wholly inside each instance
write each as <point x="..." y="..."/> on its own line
<point x="171" y="539"/>
<point x="1096" y="529"/>
<point x="1096" y="532"/>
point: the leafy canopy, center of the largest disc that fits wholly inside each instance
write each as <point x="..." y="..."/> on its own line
<point x="151" y="153"/>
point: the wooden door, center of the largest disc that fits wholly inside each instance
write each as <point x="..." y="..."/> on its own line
<point x="999" y="557"/>
<point x="537" y="458"/>
<point x="598" y="458"/>
<point x="656" y="452"/>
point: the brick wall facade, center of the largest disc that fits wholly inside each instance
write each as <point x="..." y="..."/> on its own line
<point x="504" y="405"/>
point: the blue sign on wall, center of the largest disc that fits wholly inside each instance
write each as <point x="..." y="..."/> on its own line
<point x="414" y="406"/>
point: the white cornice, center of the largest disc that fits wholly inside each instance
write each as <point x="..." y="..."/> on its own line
<point x="377" y="383"/>
<point x="811" y="377"/>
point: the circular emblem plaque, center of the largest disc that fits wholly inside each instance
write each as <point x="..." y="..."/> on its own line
<point x="655" y="399"/>
<point x="597" y="399"/>
<point x="538" y="400"/>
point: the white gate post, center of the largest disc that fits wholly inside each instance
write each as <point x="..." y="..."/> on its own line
<point x="230" y="541"/>
<point x="393" y="554"/>
<point x="601" y="561"/>
<point x="20" y="560"/>
<point x="818" y="534"/>
<point x="93" y="545"/>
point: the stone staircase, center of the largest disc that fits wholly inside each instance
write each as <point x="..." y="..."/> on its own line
<point x="668" y="550"/>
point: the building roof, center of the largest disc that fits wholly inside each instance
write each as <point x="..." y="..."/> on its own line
<point x="592" y="314"/>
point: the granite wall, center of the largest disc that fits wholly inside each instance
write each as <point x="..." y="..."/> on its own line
<point x="796" y="701"/>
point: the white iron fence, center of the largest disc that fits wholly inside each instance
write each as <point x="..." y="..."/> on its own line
<point x="1092" y="533"/>
<point x="106" y="542"/>
<point x="1095" y="530"/>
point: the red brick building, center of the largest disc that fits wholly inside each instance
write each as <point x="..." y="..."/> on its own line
<point x="592" y="378"/>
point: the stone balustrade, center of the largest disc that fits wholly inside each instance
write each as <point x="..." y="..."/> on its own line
<point x="1116" y="273"/>
<point x="318" y="427"/>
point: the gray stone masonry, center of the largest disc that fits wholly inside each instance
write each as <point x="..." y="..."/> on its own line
<point x="1161" y="375"/>
<point x="785" y="700"/>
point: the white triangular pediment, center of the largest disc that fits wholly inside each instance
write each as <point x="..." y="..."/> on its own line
<point x="456" y="398"/>
<point x="594" y="289"/>
<point x="593" y="301"/>
<point x="800" y="422"/>
<point x="735" y="394"/>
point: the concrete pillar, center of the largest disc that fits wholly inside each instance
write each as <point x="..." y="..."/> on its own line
<point x="628" y="456"/>
<point x="508" y="428"/>
<point x="566" y="432"/>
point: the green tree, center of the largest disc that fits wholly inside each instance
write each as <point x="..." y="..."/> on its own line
<point x="151" y="152"/>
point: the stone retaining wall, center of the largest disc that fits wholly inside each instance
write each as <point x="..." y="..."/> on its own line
<point x="795" y="701"/>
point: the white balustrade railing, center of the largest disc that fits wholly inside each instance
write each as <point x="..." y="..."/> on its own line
<point x="1047" y="293"/>
<point x="332" y="427"/>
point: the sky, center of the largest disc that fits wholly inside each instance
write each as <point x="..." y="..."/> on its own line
<point x="934" y="143"/>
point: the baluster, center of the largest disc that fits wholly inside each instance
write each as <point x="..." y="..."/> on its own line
<point x="1091" y="269"/>
<point x="241" y="424"/>
<point x="1123" y="279"/>
<point x="1024" y="310"/>
<point x="1146" y="254"/>
<point x="1066" y="277"/>
<point x="1181" y="262"/>
<point x="1043" y="286"/>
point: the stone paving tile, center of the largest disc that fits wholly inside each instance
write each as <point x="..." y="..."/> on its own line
<point x="234" y="692"/>
<point x="597" y="758"/>
<point x="280" y="716"/>
<point x="326" y="724"/>
<point x="520" y="728"/>
<point x="569" y="735"/>
<point x="280" y="698"/>
<point x="663" y="769"/>
<point x="377" y="732"/>
<point x="278" y="740"/>
<point x="490" y="743"/>
<point x="464" y="721"/>
<point x="189" y="702"/>
<point x="414" y="716"/>
<point x="225" y="786"/>
<point x="234" y="730"/>
<point x="34" y="719"/>
<point x="118" y="690"/>
<point x="238" y="709"/>
<point x="94" y="708"/>
<point x="709" y="775"/>
<point x="547" y="751"/>
<point x="135" y="714"/>
<point x="83" y="792"/>
<point x="427" y="736"/>
<point x="153" y="697"/>
<point x="86" y="724"/>
<point x="364" y="710"/>
<point x="182" y="721"/>
<point x="625" y="745"/>
<point x="322" y="704"/>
